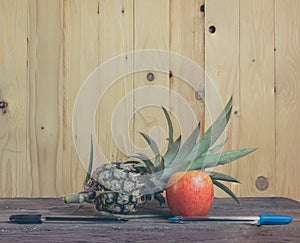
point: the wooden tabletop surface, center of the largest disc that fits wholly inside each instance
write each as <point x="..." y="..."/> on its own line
<point x="150" y="229"/>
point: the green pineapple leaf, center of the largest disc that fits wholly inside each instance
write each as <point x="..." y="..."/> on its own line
<point x="215" y="130"/>
<point x="89" y="171"/>
<point x="216" y="148"/>
<point x="221" y="177"/>
<point x="146" y="160"/>
<point x="150" y="197"/>
<point x="159" y="198"/>
<point x="187" y="148"/>
<point x="140" y="165"/>
<point x="153" y="147"/>
<point x="226" y="189"/>
<point x="213" y="160"/>
<point x="160" y="167"/>
<point x="172" y="151"/>
<point x="170" y="128"/>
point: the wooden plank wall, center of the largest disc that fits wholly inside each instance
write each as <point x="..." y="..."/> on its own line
<point x="287" y="101"/>
<point x="48" y="49"/>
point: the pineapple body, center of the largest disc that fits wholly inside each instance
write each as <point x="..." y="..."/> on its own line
<point x="118" y="188"/>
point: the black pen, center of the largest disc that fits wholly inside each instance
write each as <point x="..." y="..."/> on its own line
<point x="38" y="219"/>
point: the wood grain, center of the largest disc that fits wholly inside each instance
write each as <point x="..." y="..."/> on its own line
<point x="287" y="35"/>
<point x="257" y="96"/>
<point x="45" y="94"/>
<point x="14" y="166"/>
<point x="48" y="49"/>
<point x="81" y="35"/>
<point x="222" y="70"/>
<point x="116" y="32"/>
<point x="149" y="229"/>
<point x="151" y="31"/>
<point x="187" y="39"/>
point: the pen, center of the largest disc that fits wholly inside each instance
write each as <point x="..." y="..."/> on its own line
<point x="38" y="219"/>
<point x="263" y="219"/>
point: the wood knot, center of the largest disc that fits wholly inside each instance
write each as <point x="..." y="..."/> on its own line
<point x="212" y="29"/>
<point x="150" y="77"/>
<point x="199" y="94"/>
<point x="262" y="183"/>
<point x="3" y="106"/>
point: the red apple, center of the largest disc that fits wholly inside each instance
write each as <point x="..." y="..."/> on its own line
<point x="190" y="193"/>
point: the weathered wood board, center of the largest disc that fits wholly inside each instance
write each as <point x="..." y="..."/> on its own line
<point x="149" y="229"/>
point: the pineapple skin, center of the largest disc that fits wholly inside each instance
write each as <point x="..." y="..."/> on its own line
<point x="118" y="188"/>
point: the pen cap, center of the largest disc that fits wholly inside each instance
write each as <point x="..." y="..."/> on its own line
<point x="273" y="219"/>
<point x="26" y="219"/>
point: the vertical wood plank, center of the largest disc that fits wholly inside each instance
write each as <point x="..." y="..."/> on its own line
<point x="287" y="38"/>
<point x="151" y="31"/>
<point x="45" y="94"/>
<point x="81" y="34"/>
<point x="257" y="96"/>
<point x="222" y="68"/>
<point x="14" y="166"/>
<point x="187" y="39"/>
<point x="115" y="38"/>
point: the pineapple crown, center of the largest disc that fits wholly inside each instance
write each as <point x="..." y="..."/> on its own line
<point x="196" y="153"/>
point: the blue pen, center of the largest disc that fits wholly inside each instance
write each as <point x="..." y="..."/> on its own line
<point x="263" y="219"/>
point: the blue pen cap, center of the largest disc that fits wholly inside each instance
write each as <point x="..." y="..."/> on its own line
<point x="273" y="219"/>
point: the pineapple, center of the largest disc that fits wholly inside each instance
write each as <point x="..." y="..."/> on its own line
<point x="120" y="187"/>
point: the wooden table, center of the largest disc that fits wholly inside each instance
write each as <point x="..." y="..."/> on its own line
<point x="152" y="229"/>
